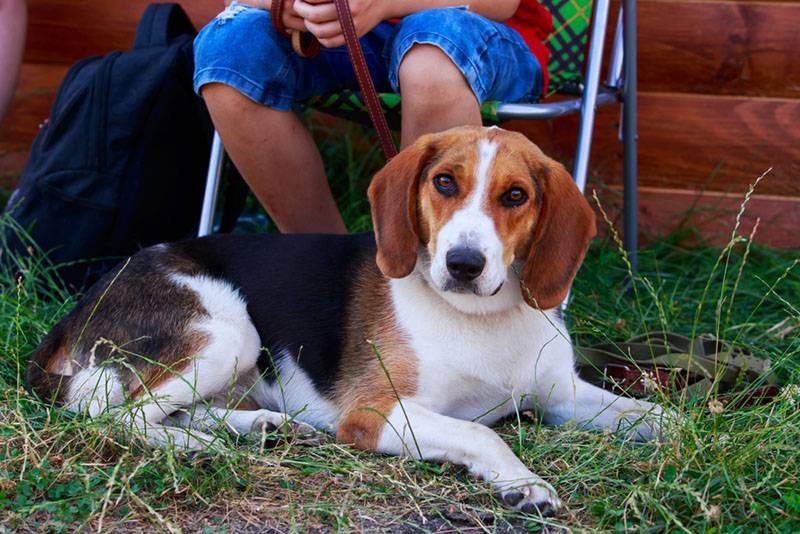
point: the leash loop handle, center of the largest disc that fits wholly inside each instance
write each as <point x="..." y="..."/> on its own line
<point x="304" y="45"/>
<point x="276" y="17"/>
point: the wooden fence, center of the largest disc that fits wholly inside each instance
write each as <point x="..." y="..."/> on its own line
<point x="719" y="105"/>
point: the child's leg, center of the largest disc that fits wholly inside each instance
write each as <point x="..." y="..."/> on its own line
<point x="446" y="62"/>
<point x="279" y="160"/>
<point x="436" y="96"/>
<point x="250" y="77"/>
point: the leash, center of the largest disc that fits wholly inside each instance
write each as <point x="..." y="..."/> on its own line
<point x="666" y="360"/>
<point x="307" y="46"/>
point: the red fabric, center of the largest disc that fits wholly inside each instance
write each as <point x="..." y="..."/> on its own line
<point x="534" y="23"/>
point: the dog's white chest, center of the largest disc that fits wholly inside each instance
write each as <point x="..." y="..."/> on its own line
<point x="479" y="367"/>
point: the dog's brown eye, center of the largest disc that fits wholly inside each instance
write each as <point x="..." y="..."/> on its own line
<point x="515" y="196"/>
<point x="445" y="184"/>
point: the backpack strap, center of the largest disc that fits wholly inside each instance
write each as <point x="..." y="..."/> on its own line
<point x="160" y="24"/>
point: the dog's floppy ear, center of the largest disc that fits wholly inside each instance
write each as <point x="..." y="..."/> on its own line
<point x="561" y="237"/>
<point x="393" y="197"/>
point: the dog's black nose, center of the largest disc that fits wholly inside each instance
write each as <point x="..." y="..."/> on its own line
<point x="465" y="264"/>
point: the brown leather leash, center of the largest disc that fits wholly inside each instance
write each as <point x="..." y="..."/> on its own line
<point x="307" y="46"/>
<point x="304" y="44"/>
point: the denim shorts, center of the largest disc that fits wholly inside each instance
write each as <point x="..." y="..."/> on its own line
<point x="240" y="48"/>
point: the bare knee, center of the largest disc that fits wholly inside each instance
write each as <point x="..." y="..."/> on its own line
<point x="215" y="91"/>
<point x="426" y="72"/>
<point x="221" y="98"/>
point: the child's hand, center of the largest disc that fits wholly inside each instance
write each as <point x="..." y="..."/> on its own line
<point x="291" y="19"/>
<point x="321" y="19"/>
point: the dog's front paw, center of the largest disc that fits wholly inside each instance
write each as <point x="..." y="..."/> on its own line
<point x="647" y="422"/>
<point x="534" y="496"/>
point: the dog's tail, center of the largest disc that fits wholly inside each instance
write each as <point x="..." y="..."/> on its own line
<point x="49" y="386"/>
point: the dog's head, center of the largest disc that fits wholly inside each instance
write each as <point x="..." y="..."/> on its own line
<point x="483" y="209"/>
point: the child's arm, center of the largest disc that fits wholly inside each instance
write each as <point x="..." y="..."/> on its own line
<point x="290" y="18"/>
<point x="13" y="15"/>
<point x="491" y="9"/>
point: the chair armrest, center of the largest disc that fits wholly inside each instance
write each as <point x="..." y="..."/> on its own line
<point x="552" y="110"/>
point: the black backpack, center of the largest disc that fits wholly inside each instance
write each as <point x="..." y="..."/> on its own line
<point x="121" y="162"/>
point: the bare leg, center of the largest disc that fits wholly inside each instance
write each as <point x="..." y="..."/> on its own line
<point x="436" y="96"/>
<point x="279" y="160"/>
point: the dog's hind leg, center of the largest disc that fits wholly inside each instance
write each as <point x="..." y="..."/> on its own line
<point x="182" y="342"/>
<point x="239" y="421"/>
<point x="231" y="350"/>
<point x="98" y="390"/>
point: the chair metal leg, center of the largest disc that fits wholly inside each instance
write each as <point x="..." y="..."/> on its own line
<point x="615" y="62"/>
<point x="212" y="186"/>
<point x="629" y="134"/>
<point x="589" y="101"/>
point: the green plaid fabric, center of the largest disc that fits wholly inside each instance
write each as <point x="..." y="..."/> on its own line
<point x="567" y="44"/>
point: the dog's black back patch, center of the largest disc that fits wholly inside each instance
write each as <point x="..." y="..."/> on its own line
<point x="297" y="289"/>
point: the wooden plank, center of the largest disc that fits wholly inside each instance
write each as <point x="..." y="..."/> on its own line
<point x="720" y="47"/>
<point x="31" y="105"/>
<point x="63" y="31"/>
<point x="686" y="141"/>
<point x="714" y="47"/>
<point x="660" y="209"/>
<point x="663" y="211"/>
<point x="731" y="140"/>
<point x="695" y="142"/>
<point x="715" y="143"/>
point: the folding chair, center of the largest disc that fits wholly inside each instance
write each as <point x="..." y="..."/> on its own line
<point x="573" y="23"/>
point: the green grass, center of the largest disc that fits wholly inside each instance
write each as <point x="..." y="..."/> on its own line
<point x="735" y="471"/>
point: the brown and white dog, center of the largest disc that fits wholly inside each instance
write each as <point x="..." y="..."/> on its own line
<point x="455" y="326"/>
